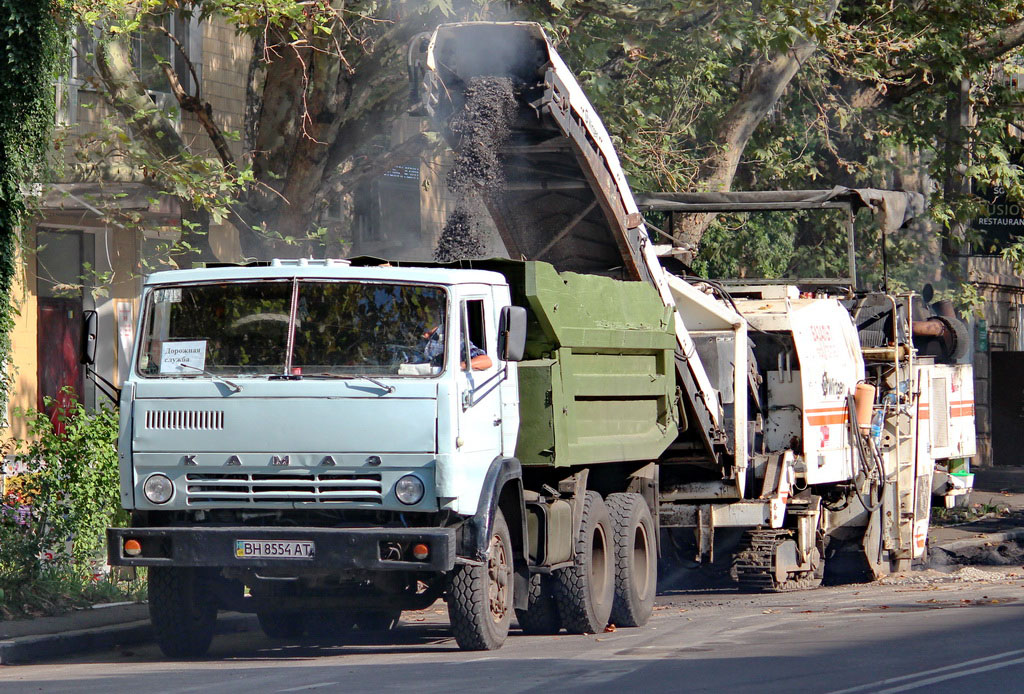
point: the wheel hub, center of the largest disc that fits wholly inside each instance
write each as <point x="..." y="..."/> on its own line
<point x="499" y="571"/>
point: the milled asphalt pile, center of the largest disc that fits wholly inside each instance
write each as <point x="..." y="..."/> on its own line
<point x="482" y="126"/>
<point x="995" y="541"/>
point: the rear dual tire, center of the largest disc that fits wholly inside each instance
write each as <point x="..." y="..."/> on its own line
<point x="541" y="614"/>
<point x="636" y="560"/>
<point x="338" y="625"/>
<point x="584" y="591"/>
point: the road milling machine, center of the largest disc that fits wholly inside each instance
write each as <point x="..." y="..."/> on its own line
<point x="768" y="371"/>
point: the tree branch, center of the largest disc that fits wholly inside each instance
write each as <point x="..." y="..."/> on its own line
<point x="126" y="94"/>
<point x="897" y="85"/>
<point x="759" y="93"/>
<point x="194" y="104"/>
<point x="660" y="15"/>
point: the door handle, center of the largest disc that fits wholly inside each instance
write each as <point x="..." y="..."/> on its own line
<point x="497" y="421"/>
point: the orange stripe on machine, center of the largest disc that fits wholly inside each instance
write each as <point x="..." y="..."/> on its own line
<point x="828" y="415"/>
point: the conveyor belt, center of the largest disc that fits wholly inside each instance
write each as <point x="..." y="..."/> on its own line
<point x="566" y="199"/>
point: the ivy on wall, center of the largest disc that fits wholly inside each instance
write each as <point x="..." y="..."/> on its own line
<point x="33" y="48"/>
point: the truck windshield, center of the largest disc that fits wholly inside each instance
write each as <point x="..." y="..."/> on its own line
<point x="293" y="328"/>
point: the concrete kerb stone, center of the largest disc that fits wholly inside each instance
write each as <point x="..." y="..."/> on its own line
<point x="24" y="649"/>
<point x="981" y="540"/>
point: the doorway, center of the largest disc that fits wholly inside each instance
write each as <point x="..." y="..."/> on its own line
<point x="1007" y="406"/>
<point x="62" y="258"/>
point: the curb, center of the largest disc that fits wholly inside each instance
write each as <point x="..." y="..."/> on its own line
<point x="25" y="649"/>
<point x="982" y="539"/>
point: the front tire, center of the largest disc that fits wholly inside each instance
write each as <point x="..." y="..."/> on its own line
<point x="636" y="562"/>
<point x="182" y="610"/>
<point x="480" y="597"/>
<point x="586" y="589"/>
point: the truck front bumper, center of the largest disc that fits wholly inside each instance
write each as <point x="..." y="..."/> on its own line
<point x="336" y="549"/>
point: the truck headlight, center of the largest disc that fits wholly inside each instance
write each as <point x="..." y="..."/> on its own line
<point x="158" y="488"/>
<point x="409" y="489"/>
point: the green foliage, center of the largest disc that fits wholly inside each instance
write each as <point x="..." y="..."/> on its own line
<point x="68" y="491"/>
<point x="32" y="43"/>
<point x="58" y="590"/>
<point x="868" y="108"/>
<point x="865" y="109"/>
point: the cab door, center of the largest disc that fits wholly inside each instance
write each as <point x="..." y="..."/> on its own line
<point x="479" y="394"/>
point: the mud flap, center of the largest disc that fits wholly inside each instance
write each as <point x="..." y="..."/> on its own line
<point x="873" y="547"/>
<point x="475" y="538"/>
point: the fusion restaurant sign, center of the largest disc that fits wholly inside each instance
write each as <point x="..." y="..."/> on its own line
<point x="1002" y="220"/>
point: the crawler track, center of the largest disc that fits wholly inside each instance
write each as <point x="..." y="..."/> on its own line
<point x="754" y="564"/>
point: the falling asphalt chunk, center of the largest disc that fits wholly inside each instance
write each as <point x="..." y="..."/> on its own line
<point x="482" y="127"/>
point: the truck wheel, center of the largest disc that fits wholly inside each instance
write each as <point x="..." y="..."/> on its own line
<point x="182" y="612"/>
<point x="282" y="625"/>
<point x="585" y="590"/>
<point x="541" y="613"/>
<point x="636" y="563"/>
<point x="333" y="625"/>
<point x="377" y="620"/>
<point x="480" y="597"/>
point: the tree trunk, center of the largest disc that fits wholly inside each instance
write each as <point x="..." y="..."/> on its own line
<point x="760" y="92"/>
<point x="299" y="151"/>
<point x="957" y="160"/>
<point x="126" y="94"/>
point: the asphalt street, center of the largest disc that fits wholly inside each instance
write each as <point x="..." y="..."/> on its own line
<point x="928" y="632"/>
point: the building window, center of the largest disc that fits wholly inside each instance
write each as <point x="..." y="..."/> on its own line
<point x="152" y="47"/>
<point x="1019" y="308"/>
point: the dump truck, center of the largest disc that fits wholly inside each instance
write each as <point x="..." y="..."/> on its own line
<point x="293" y="431"/>
<point x="323" y="443"/>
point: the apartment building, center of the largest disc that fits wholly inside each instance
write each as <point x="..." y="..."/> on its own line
<point x="75" y="261"/>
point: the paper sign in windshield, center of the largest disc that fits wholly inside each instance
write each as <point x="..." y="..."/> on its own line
<point x="191" y="354"/>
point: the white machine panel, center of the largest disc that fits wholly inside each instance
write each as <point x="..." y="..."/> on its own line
<point x="947" y="409"/>
<point x="830" y="366"/>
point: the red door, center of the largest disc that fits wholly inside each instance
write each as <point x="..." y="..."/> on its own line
<point x="60" y="327"/>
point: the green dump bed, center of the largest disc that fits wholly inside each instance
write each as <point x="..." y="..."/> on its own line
<point x="598" y="383"/>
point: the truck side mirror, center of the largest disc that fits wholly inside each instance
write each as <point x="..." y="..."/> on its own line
<point x="512" y="333"/>
<point x="87" y="347"/>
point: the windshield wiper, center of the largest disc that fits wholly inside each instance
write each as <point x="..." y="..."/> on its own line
<point x="350" y="377"/>
<point x="235" y="388"/>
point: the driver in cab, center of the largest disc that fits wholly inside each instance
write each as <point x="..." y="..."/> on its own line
<point x="433" y="350"/>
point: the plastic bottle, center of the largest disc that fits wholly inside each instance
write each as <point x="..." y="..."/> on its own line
<point x="876" y="426"/>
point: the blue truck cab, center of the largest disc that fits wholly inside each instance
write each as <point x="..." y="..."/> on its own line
<point x="313" y="441"/>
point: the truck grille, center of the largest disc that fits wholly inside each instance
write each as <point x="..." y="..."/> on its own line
<point x="238" y="488"/>
<point x="193" y="420"/>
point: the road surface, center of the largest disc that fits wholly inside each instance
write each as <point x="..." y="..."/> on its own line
<point x="924" y="633"/>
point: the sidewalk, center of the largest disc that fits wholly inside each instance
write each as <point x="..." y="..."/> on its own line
<point x="1002" y="489"/>
<point x="91" y="629"/>
<point x="107" y="626"/>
